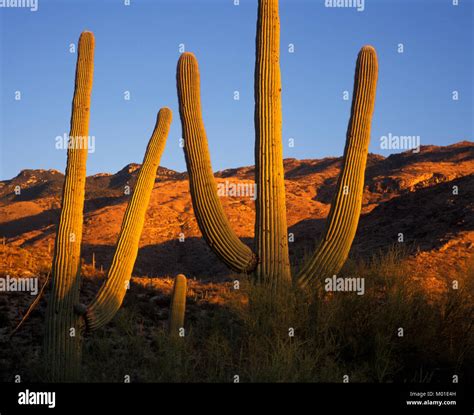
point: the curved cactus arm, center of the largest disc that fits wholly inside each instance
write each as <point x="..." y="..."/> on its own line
<point x="343" y="217"/>
<point x="62" y="342"/>
<point x="208" y="210"/>
<point x="271" y="233"/>
<point x="110" y="296"/>
<point x="178" y="305"/>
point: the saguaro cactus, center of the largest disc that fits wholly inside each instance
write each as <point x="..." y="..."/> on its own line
<point x="63" y="326"/>
<point x="111" y="294"/>
<point x="207" y="206"/>
<point x="178" y="305"/>
<point x="271" y="233"/>
<point x="343" y="217"/>
<point x="66" y="318"/>
<point x="271" y="261"/>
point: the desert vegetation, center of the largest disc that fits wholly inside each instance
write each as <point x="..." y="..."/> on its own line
<point x="245" y="332"/>
<point x="270" y="263"/>
<point x="269" y="319"/>
<point x="67" y="319"/>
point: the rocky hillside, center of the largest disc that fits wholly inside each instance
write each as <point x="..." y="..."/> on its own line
<point x="427" y="196"/>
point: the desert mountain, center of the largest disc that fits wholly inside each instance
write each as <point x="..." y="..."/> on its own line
<point x="427" y="196"/>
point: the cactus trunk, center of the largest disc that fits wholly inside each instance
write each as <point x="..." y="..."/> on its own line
<point x="178" y="306"/>
<point x="63" y="326"/>
<point x="111" y="294"/>
<point x="210" y="215"/>
<point x="66" y="318"/>
<point x="343" y="217"/>
<point x="271" y="233"/>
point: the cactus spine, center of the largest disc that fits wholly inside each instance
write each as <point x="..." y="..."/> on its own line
<point x="273" y="266"/>
<point x="178" y="305"/>
<point x="63" y="326"/>
<point x="66" y="319"/>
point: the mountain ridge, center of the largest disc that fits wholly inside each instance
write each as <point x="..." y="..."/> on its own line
<point x="409" y="193"/>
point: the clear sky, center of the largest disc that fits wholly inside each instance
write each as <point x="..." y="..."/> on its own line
<point x="137" y="48"/>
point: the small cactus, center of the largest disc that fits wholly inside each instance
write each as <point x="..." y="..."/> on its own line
<point x="178" y="305"/>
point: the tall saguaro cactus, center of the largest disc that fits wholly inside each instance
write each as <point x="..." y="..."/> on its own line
<point x="271" y="233"/>
<point x="66" y="317"/>
<point x="271" y="260"/>
<point x="63" y="340"/>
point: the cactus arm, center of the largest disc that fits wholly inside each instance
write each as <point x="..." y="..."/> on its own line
<point x="62" y="342"/>
<point x="178" y="305"/>
<point x="344" y="214"/>
<point x="271" y="234"/>
<point x="110" y="296"/>
<point x="208" y="210"/>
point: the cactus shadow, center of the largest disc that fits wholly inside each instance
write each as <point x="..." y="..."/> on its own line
<point x="30" y="223"/>
<point x="50" y="217"/>
<point x="414" y="214"/>
<point x="192" y="257"/>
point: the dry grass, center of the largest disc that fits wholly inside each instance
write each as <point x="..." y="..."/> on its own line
<point x="334" y="335"/>
<point x="245" y="332"/>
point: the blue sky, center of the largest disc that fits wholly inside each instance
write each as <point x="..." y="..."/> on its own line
<point x="137" y="51"/>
